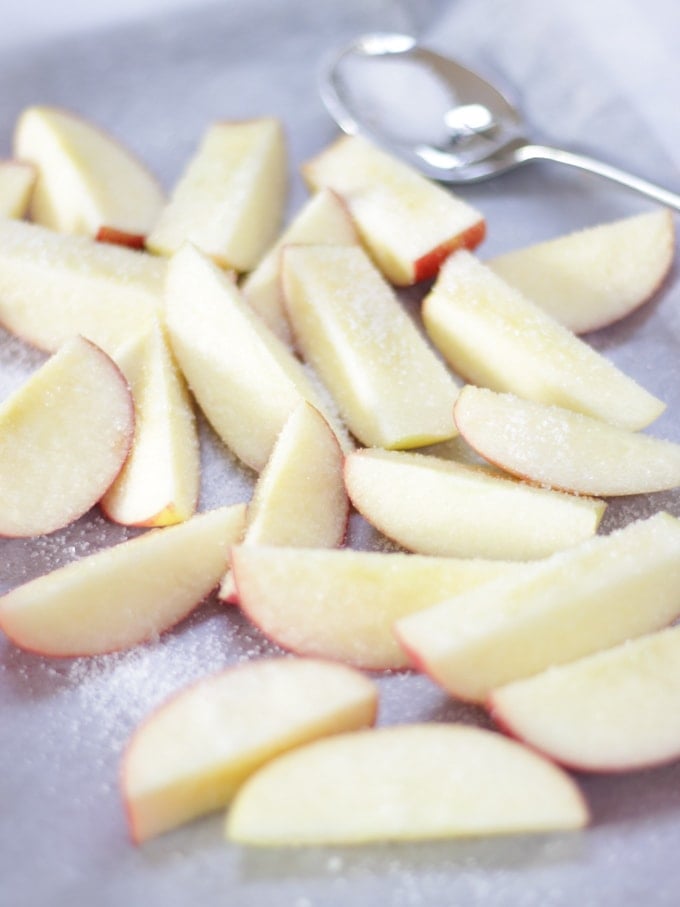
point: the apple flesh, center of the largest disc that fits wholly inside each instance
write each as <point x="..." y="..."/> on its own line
<point x="246" y="381"/>
<point x="229" y="202"/>
<point x="389" y="386"/>
<point x="300" y="496"/>
<point x="323" y="219"/>
<point x="444" y="508"/>
<point x="17" y="179"/>
<point x="87" y="182"/>
<point x="159" y="483"/>
<point x="497" y="338"/>
<point x="54" y="285"/>
<point x="64" y="436"/>
<point x="125" y="595"/>
<point x="342" y="604"/>
<point x="596" y="595"/>
<point x="408" y="223"/>
<point x="190" y="756"/>
<point x="553" y="446"/>
<point x="594" y="277"/>
<point x="614" y="711"/>
<point x="406" y="783"/>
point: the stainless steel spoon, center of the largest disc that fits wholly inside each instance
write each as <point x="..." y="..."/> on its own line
<point x="469" y="130"/>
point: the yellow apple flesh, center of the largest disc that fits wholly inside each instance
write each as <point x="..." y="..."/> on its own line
<point x="406" y="783"/>
<point x="229" y="201"/>
<point x="579" y="601"/>
<point x="64" y="436"/>
<point x="17" y="179"/>
<point x="449" y="509"/>
<point x="125" y="595"/>
<point x="191" y="755"/>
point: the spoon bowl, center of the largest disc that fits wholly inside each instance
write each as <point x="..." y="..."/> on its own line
<point x="462" y="129"/>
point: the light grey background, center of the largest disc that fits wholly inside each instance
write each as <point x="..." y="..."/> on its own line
<point x="598" y="77"/>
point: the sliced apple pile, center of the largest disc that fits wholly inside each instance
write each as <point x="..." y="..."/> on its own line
<point x="408" y="223"/>
<point x="614" y="711"/>
<point x="410" y="782"/>
<point x="323" y="219"/>
<point x="229" y="202"/>
<point x="449" y="509"/>
<point x="159" y="482"/>
<point x="246" y="381"/>
<point x="87" y="182"/>
<point x="595" y="595"/>
<point x="594" y="277"/>
<point x="125" y="595"/>
<point x="343" y="604"/>
<point x="390" y="388"/>
<point x="299" y="498"/>
<point x="496" y="337"/>
<point x="563" y="449"/>
<point x="53" y="286"/>
<point x="191" y="755"/>
<point x="64" y="436"/>
<point x="17" y="179"/>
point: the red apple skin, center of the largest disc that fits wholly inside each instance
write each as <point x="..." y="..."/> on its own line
<point x="611" y="769"/>
<point x="133" y="832"/>
<point x="121" y="238"/>
<point x="428" y="266"/>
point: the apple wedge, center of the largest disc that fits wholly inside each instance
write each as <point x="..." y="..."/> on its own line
<point x="342" y="604"/>
<point x="53" y="286"/>
<point x="390" y="388"/>
<point x="64" y="436"/>
<point x="614" y="711"/>
<point x="87" y="182"/>
<point x="323" y="219"/>
<point x="598" y="594"/>
<point x="497" y="338"/>
<point x="159" y="483"/>
<point x="405" y="783"/>
<point x="299" y="498"/>
<point x="229" y="202"/>
<point x="449" y="509"/>
<point x="17" y="179"/>
<point x="190" y="756"/>
<point x="125" y="595"/>
<point x="594" y="277"/>
<point x="562" y="449"/>
<point x="246" y="381"/>
<point x="408" y="224"/>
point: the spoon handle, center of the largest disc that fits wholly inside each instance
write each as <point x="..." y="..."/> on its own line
<point x="544" y="152"/>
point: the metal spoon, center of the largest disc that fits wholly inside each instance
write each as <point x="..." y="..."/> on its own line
<point x="473" y="132"/>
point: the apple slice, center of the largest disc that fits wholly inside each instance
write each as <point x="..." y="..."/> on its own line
<point x="594" y="277"/>
<point x="563" y="449"/>
<point x="300" y="496"/>
<point x="324" y="219"/>
<point x="614" y="711"/>
<point x="53" y="286"/>
<point x="404" y="783"/>
<point x="190" y="756"/>
<point x="229" y="202"/>
<point x="124" y="595"/>
<point x="497" y="338"/>
<point x="342" y="604"/>
<point x="246" y="381"/>
<point x="449" y="509"/>
<point x="87" y="182"/>
<point x="389" y="386"/>
<point x="408" y="223"/>
<point x="17" y="179"/>
<point x="64" y="436"/>
<point x="606" y="590"/>
<point x="159" y="482"/>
